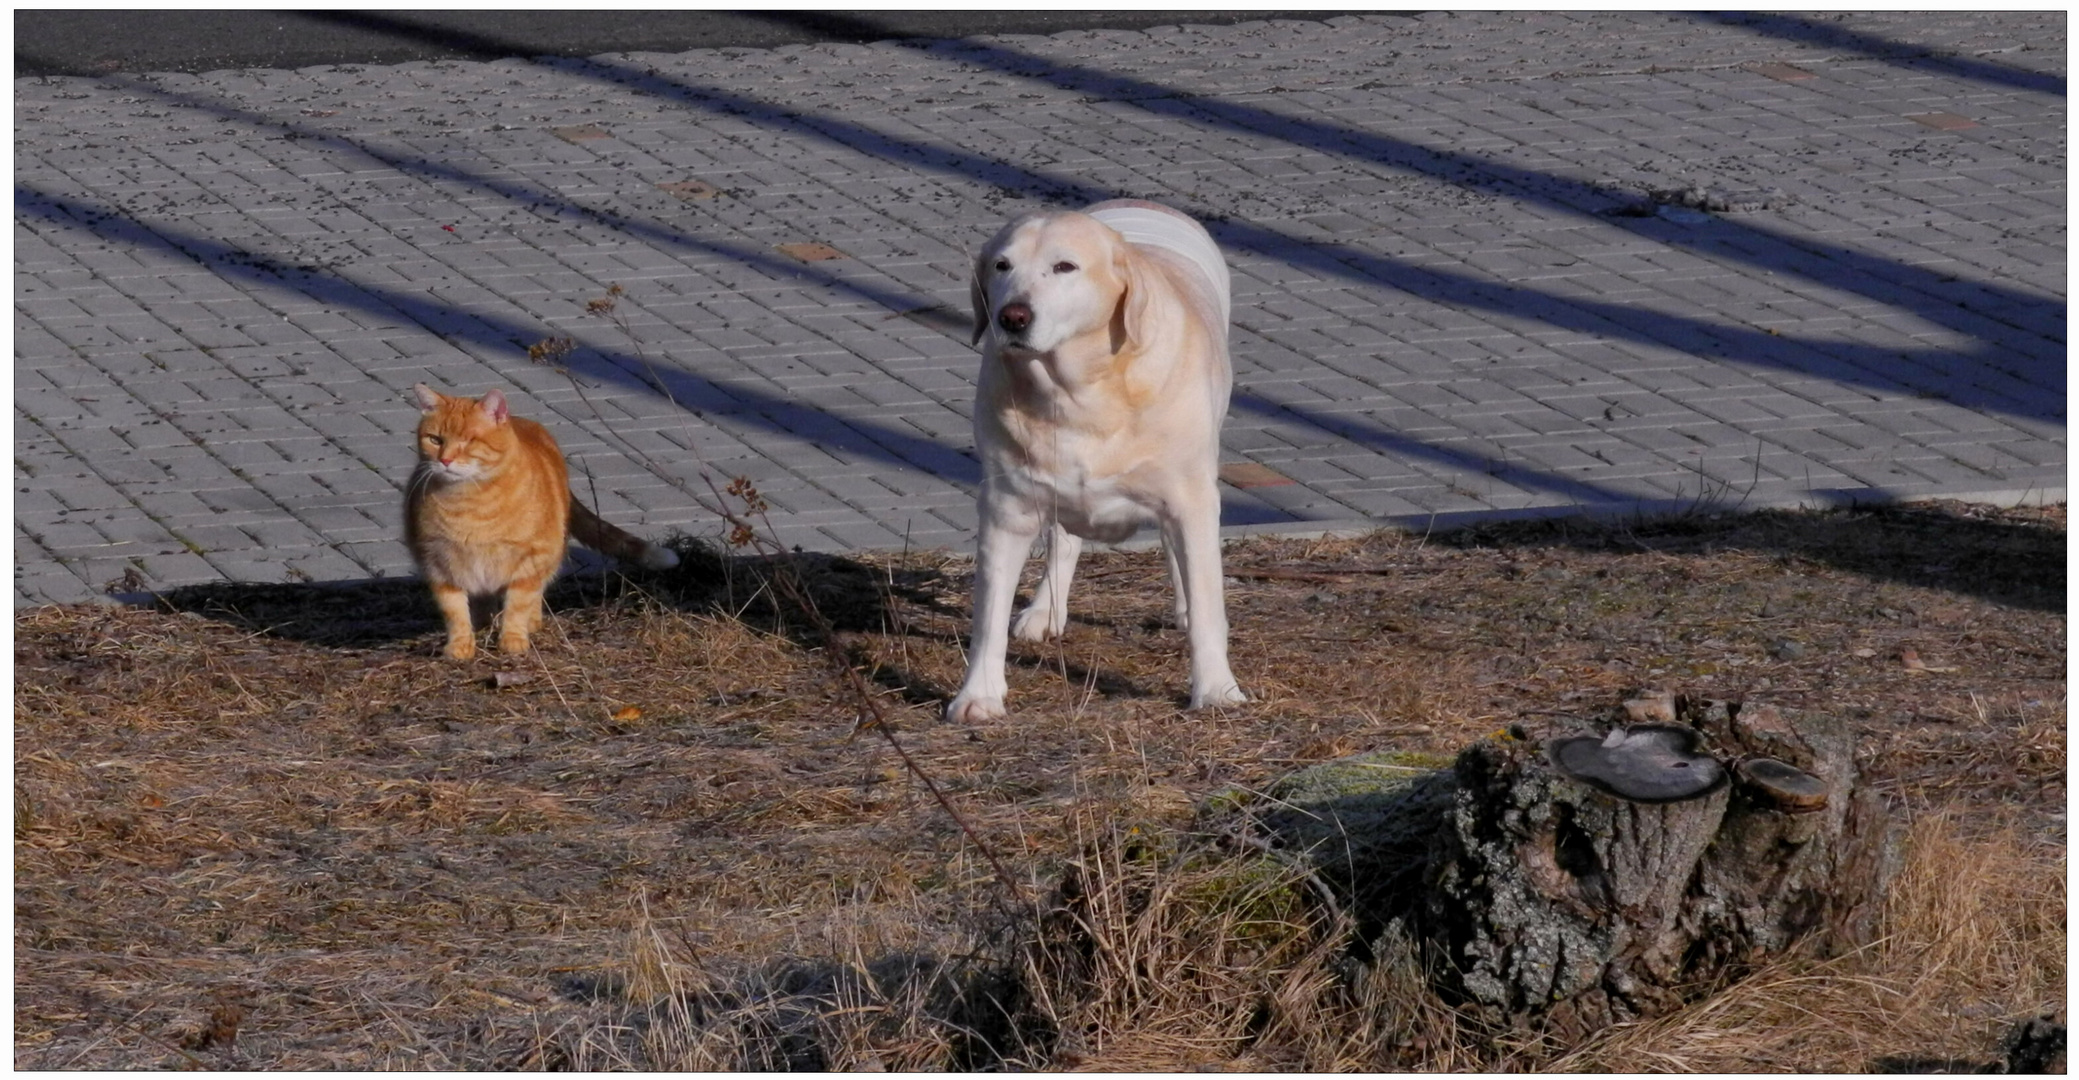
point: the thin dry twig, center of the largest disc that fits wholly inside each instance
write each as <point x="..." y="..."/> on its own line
<point x="746" y="533"/>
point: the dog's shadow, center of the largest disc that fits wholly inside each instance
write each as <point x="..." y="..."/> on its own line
<point x="1107" y="683"/>
<point x="773" y="594"/>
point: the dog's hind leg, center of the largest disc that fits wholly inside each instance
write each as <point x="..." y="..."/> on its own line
<point x="1048" y="615"/>
<point x="1180" y="604"/>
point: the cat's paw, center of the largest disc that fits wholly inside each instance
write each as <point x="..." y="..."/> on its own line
<point x="512" y="643"/>
<point x="460" y="648"/>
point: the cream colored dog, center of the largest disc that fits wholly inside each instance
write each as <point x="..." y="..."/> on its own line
<point x="1104" y="382"/>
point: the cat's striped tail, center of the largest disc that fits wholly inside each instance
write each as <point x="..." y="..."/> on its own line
<point x="594" y="532"/>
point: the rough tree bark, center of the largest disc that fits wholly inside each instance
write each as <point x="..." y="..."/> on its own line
<point x="1564" y="908"/>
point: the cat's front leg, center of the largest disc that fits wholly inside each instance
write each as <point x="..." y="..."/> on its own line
<point x="522" y="614"/>
<point x="454" y="610"/>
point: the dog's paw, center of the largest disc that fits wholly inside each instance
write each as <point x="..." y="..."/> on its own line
<point x="1227" y="693"/>
<point x="970" y="709"/>
<point x="1033" y="624"/>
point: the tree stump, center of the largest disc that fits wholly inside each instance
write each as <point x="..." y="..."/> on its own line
<point x="1561" y="905"/>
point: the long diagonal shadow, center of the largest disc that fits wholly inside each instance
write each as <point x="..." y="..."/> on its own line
<point x="473" y="45"/>
<point x="862" y="437"/>
<point x="1796" y="28"/>
<point x="1787" y="27"/>
<point x="858" y="436"/>
<point x="2014" y="382"/>
<point x="1884" y="280"/>
<point x="531" y="196"/>
<point x="1466" y="169"/>
<point x="2007" y="386"/>
<point x="1830" y="360"/>
<point x="1987" y="377"/>
<point x="1364" y="432"/>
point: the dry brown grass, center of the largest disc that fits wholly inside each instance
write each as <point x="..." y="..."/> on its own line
<point x="1168" y="956"/>
<point x="1974" y="937"/>
<point x="266" y="827"/>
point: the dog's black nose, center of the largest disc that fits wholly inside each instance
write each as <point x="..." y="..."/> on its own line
<point x="1014" y="317"/>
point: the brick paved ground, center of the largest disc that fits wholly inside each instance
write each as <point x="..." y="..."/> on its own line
<point x="1454" y="293"/>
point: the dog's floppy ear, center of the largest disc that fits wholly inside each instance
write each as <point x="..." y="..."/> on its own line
<point x="979" y="298"/>
<point x="1136" y="297"/>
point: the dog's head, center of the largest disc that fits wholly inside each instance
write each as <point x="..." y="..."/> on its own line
<point x="1046" y="279"/>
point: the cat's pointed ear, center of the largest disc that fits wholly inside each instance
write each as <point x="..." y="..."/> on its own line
<point x="428" y="399"/>
<point x="494" y="407"/>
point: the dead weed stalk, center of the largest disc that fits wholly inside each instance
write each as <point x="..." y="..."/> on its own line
<point x="1165" y="955"/>
<point x="743" y="509"/>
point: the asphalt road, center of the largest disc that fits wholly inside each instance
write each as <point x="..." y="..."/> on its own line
<point x="101" y="42"/>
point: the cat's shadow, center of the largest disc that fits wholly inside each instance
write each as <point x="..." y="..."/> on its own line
<point x="335" y="614"/>
<point x="768" y="593"/>
<point x="380" y="612"/>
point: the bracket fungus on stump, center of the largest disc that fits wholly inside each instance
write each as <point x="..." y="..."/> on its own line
<point x="1596" y="879"/>
<point x="1599" y="877"/>
<point x="1648" y="763"/>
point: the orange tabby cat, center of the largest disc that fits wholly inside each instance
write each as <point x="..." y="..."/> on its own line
<point x="487" y="512"/>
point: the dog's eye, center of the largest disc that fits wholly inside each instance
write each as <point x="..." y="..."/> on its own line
<point x="1064" y="267"/>
<point x="1003" y="265"/>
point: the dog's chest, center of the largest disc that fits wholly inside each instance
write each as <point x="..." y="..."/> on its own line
<point x="1061" y="477"/>
<point x="1103" y="509"/>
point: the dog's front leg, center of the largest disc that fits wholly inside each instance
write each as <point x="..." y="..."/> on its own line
<point x="1193" y="535"/>
<point x="1006" y="537"/>
<point x="1047" y="617"/>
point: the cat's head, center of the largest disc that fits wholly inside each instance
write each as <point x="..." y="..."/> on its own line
<point x="462" y="438"/>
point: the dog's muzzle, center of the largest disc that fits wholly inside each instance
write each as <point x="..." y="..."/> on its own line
<point x="1014" y="318"/>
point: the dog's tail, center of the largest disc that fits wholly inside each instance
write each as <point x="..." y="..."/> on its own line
<point x="594" y="532"/>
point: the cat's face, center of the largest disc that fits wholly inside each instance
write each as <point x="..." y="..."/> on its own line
<point x="461" y="438"/>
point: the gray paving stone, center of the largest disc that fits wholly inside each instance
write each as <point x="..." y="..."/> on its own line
<point x="1415" y="218"/>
